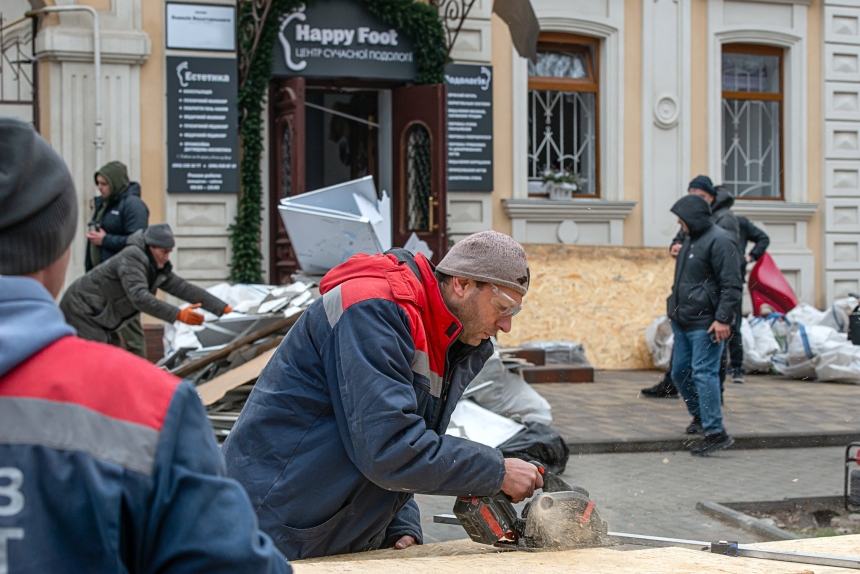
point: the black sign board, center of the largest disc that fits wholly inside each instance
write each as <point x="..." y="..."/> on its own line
<point x="470" y="127"/>
<point x="341" y="39"/>
<point x="202" y="125"/>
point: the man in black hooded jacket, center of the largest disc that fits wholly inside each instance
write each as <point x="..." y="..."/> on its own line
<point x="702" y="307"/>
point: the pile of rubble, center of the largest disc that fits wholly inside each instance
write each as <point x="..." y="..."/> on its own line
<point x="224" y="356"/>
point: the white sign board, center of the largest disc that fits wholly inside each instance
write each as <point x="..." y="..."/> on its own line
<point x="201" y="27"/>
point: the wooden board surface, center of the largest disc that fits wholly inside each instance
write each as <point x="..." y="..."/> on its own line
<point x="455" y="557"/>
<point x="602" y="297"/>
<point x="215" y="389"/>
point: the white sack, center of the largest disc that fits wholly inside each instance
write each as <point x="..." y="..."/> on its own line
<point x="836" y="317"/>
<point x="480" y="425"/>
<point x="804" y="344"/>
<point x="660" y="340"/>
<point x="508" y="394"/>
<point x="839" y="362"/>
<point x="754" y="360"/>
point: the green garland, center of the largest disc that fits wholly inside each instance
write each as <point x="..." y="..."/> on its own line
<point x="417" y="20"/>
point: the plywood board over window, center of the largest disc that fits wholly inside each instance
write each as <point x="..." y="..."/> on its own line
<point x="563" y="108"/>
<point x="752" y="112"/>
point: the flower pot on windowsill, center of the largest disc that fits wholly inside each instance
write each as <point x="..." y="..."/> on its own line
<point x="560" y="191"/>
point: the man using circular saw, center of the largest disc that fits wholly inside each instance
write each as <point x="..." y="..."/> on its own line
<point x="348" y="419"/>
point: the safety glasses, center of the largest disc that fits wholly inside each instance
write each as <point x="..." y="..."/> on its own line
<point x="505" y="304"/>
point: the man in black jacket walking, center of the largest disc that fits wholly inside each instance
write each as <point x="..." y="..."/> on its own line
<point x="702" y="307"/>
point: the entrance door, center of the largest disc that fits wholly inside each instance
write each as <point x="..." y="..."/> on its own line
<point x="287" y="174"/>
<point x="419" y="166"/>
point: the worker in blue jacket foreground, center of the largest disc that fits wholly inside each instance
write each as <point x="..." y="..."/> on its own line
<point x="107" y="464"/>
<point x="348" y="419"/>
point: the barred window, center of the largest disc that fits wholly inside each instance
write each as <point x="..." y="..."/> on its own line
<point x="752" y="121"/>
<point x="563" y="111"/>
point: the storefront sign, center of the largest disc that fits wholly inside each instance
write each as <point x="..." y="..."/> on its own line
<point x="202" y="130"/>
<point x="341" y="39"/>
<point x="201" y="27"/>
<point x="470" y="127"/>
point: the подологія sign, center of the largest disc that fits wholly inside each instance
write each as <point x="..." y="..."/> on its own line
<point x="470" y="127"/>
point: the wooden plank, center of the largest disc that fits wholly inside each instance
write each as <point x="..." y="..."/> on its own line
<point x="558" y="374"/>
<point x="193" y="366"/>
<point x="536" y="356"/>
<point x="215" y="389"/>
<point x="456" y="558"/>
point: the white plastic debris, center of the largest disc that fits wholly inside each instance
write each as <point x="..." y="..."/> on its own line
<point x="414" y="245"/>
<point x="660" y="340"/>
<point x="560" y="352"/>
<point x="328" y="226"/>
<point x="507" y="394"/>
<point x="476" y="423"/>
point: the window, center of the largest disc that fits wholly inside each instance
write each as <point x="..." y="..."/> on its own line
<point x="563" y="108"/>
<point x="752" y="121"/>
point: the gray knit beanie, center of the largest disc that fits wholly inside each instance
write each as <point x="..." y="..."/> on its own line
<point x="38" y="205"/>
<point x="491" y="257"/>
<point x="159" y="235"/>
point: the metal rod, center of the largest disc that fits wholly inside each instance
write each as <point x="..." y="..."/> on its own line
<point x="341" y="114"/>
<point x="97" y="61"/>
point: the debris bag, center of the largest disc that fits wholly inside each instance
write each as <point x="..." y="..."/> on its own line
<point x="836" y="317"/>
<point x="839" y="362"/>
<point x="754" y="361"/>
<point x="804" y="345"/>
<point x="660" y="339"/>
<point x="476" y="423"/>
<point x="506" y="393"/>
<point x="560" y="352"/>
<point x="540" y="443"/>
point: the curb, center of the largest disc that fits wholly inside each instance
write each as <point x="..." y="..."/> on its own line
<point x="742" y="442"/>
<point x="744" y="521"/>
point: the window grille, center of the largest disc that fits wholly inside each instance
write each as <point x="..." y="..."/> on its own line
<point x="563" y="112"/>
<point x="418" y="182"/>
<point x="752" y="121"/>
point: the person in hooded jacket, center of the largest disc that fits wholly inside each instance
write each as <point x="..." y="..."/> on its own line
<point x="348" y="419"/>
<point x="107" y="464"/>
<point x="118" y="212"/>
<point x="721" y="202"/>
<point x="705" y="297"/>
<point x="114" y="293"/>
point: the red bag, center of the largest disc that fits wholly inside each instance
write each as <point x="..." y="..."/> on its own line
<point x="768" y="286"/>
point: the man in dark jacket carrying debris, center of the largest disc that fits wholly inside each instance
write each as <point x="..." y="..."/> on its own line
<point x="107" y="464"/>
<point x="348" y="419"/>
<point x="705" y="297"/>
<point x="98" y="304"/>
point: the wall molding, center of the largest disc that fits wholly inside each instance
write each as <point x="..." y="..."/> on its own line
<point x="579" y="209"/>
<point x="776" y="212"/>
<point x="62" y="44"/>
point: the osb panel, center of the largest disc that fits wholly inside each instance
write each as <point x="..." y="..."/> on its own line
<point x="602" y="297"/>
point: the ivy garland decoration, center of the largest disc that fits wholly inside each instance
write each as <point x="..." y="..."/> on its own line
<point x="258" y="24"/>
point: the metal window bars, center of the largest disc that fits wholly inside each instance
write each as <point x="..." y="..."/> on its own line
<point x="751" y="148"/>
<point x="563" y="135"/>
<point x="18" y="68"/>
<point x="418" y="179"/>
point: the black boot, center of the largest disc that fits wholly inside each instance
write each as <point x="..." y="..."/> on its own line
<point x="665" y="389"/>
<point x="695" y="427"/>
<point x="712" y="443"/>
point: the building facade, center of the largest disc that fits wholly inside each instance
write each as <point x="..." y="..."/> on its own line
<point x="634" y="97"/>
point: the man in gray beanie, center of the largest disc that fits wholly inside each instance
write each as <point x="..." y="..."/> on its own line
<point x="89" y="433"/>
<point x="117" y="291"/>
<point x="348" y="419"/>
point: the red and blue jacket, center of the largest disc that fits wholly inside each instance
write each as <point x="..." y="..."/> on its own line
<point x="347" y="420"/>
<point x="108" y="464"/>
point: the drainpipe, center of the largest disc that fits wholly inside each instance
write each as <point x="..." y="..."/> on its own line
<point x="97" y="59"/>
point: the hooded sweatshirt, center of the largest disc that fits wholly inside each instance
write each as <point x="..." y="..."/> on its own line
<point x="348" y="419"/>
<point x="708" y="281"/>
<point x="108" y="464"/>
<point x="722" y="215"/>
<point x="119" y="214"/>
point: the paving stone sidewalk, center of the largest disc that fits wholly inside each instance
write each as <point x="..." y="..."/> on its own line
<point x="609" y="415"/>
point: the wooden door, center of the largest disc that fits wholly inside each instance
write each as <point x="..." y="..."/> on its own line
<point x="287" y="169"/>
<point x="419" y="166"/>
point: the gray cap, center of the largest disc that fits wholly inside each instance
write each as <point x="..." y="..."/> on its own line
<point x="38" y="204"/>
<point x="491" y="257"/>
<point x="159" y="235"/>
